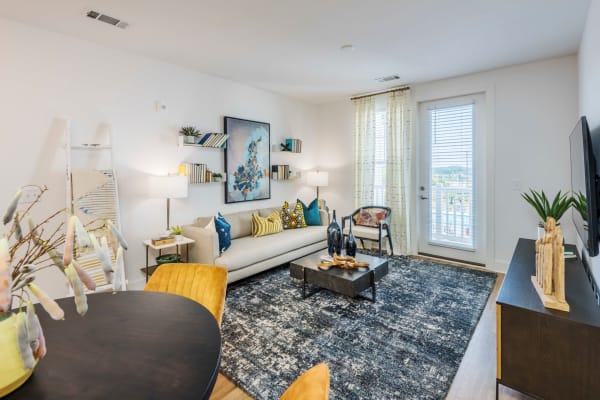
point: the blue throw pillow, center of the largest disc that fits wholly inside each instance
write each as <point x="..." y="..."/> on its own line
<point x="224" y="231"/>
<point x="311" y="213"/>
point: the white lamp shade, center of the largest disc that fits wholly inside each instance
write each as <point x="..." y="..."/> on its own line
<point x="168" y="187"/>
<point x="317" y="178"/>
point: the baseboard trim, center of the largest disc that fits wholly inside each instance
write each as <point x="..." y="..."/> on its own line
<point x="456" y="260"/>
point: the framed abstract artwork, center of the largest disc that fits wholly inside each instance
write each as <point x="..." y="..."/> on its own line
<point x="247" y="160"/>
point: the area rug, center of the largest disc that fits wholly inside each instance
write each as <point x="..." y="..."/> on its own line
<point x="407" y="345"/>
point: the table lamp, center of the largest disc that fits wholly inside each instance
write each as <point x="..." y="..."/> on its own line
<point x="169" y="187"/>
<point x="318" y="179"/>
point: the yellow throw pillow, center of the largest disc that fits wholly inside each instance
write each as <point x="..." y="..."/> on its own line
<point x="262" y="226"/>
<point x="293" y="219"/>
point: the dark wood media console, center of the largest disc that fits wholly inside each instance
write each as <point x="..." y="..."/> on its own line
<point x="546" y="353"/>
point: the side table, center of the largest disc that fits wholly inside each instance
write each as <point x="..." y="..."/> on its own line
<point x="177" y="244"/>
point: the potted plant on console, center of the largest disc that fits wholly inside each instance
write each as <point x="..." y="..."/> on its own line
<point x="555" y="209"/>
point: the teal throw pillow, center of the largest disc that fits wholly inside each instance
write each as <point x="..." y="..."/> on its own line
<point x="311" y="213"/>
<point x="224" y="231"/>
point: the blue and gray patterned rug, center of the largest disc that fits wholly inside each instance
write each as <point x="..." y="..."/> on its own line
<point x="408" y="345"/>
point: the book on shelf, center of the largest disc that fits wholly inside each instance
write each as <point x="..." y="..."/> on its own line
<point x="213" y="140"/>
<point x="293" y="145"/>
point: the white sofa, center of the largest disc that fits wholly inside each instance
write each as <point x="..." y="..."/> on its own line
<point x="249" y="255"/>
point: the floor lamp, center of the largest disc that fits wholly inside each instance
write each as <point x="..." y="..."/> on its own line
<point x="318" y="179"/>
<point x="169" y="187"/>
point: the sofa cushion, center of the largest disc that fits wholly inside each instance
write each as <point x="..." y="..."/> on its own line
<point x="292" y="218"/>
<point x="203" y="221"/>
<point x="249" y="250"/>
<point x="262" y="226"/>
<point x="370" y="216"/>
<point x="311" y="212"/>
<point x="223" y="230"/>
<point x="265" y="212"/>
<point x="241" y="223"/>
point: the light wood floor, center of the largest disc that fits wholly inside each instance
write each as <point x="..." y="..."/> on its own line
<point x="475" y="378"/>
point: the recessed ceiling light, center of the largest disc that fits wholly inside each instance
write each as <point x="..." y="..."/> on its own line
<point x="348" y="48"/>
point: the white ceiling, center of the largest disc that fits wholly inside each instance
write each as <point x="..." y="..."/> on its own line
<point x="293" y="47"/>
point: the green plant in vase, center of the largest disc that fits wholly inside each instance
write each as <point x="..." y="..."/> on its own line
<point x="546" y="208"/>
<point x="176" y="230"/>
<point x="189" y="133"/>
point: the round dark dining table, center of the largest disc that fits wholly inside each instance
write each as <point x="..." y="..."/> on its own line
<point x="129" y="345"/>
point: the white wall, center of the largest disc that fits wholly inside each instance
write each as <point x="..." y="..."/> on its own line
<point x="531" y="109"/>
<point x="45" y="75"/>
<point x="589" y="88"/>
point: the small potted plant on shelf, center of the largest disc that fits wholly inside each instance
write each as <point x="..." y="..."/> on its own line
<point x="555" y="209"/>
<point x="217" y="177"/>
<point x="189" y="134"/>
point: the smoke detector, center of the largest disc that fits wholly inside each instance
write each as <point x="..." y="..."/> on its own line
<point x="98" y="16"/>
<point x="387" y="78"/>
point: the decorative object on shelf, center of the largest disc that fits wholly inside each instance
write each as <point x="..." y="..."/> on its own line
<point x="168" y="187"/>
<point x="168" y="258"/>
<point x="217" y="177"/>
<point x="334" y="237"/>
<point x="162" y="240"/>
<point x="343" y="263"/>
<point x="539" y="201"/>
<point x="350" y="242"/>
<point x="189" y="134"/>
<point x="176" y="231"/>
<point x="318" y="179"/>
<point x="291" y="146"/>
<point x="25" y="251"/>
<point x="549" y="278"/>
<point x="247" y="160"/>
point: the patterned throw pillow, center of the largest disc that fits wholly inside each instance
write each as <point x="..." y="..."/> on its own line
<point x="262" y="226"/>
<point x="371" y="216"/>
<point x="224" y="231"/>
<point x="292" y="219"/>
<point x="311" y="212"/>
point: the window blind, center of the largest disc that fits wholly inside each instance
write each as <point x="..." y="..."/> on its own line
<point x="452" y="200"/>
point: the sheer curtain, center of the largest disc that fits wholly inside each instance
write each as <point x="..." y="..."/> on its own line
<point x="398" y="171"/>
<point x="396" y="174"/>
<point x="364" y="147"/>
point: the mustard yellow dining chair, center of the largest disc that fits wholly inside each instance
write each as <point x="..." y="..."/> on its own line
<point x="311" y="385"/>
<point x="205" y="284"/>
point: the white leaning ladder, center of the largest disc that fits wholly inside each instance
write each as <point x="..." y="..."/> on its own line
<point x="101" y="202"/>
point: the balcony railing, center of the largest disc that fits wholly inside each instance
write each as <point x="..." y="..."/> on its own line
<point x="451" y="216"/>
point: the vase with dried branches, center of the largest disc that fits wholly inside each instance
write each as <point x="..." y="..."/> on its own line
<point x="27" y="247"/>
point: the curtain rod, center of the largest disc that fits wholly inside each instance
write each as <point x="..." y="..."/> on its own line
<point x="381" y="92"/>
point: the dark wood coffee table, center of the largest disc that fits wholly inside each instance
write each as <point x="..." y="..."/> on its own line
<point x="347" y="282"/>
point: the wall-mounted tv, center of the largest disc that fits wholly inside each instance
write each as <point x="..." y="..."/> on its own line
<point x="584" y="185"/>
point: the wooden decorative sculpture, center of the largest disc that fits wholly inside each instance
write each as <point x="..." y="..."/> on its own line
<point x="344" y="263"/>
<point x="549" y="279"/>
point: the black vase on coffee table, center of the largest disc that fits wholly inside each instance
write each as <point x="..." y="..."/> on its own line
<point x="335" y="240"/>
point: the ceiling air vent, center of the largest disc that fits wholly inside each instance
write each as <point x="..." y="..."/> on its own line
<point x="107" y="18"/>
<point x="387" y="78"/>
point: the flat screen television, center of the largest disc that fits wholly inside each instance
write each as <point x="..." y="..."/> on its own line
<point x="584" y="186"/>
